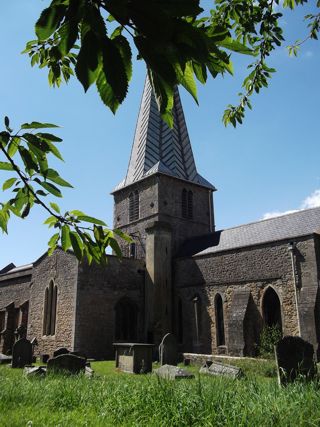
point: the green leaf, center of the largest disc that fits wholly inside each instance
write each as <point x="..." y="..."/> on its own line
<point x="51" y="188"/>
<point x="51" y="221"/>
<point x="65" y="237"/>
<point x="49" y="137"/>
<point x="5" y="166"/>
<point x="77" y="244"/>
<point x="13" y="146"/>
<point x="27" y="159"/>
<point x="37" y="125"/>
<point x="53" y="243"/>
<point x="123" y="236"/>
<point x="26" y="211"/>
<point x="9" y="183"/>
<point x="54" y="150"/>
<point x="55" y="207"/>
<point x="90" y="219"/>
<point x="235" y="46"/>
<point x="88" y="60"/>
<point x="115" y="246"/>
<point x="186" y="78"/>
<point x="49" y="21"/>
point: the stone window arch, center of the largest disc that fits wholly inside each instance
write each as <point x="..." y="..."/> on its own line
<point x="134" y="205"/>
<point x="180" y="321"/>
<point x="126" y="320"/>
<point x="50" y="309"/>
<point x="197" y="306"/>
<point x="220" y="334"/>
<point x="271" y="308"/>
<point x="187" y="204"/>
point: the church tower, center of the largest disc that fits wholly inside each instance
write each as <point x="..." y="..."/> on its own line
<point x="161" y="202"/>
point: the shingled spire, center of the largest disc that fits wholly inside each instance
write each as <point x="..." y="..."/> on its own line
<point x="159" y="149"/>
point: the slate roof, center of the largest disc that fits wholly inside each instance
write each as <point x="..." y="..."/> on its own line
<point x="300" y="223"/>
<point x="157" y="148"/>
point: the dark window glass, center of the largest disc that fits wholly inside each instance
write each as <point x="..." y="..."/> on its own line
<point x="219" y="321"/>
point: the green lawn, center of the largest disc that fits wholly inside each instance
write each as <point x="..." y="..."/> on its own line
<point x="117" y="399"/>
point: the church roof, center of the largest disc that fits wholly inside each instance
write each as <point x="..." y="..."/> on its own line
<point x="289" y="226"/>
<point x="157" y="148"/>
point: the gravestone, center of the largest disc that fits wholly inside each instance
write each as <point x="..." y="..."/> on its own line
<point x="21" y="353"/>
<point x="168" y="350"/>
<point x="5" y="359"/>
<point x="170" y="372"/>
<point x="68" y="363"/>
<point x="295" y="359"/>
<point x="35" y="371"/>
<point x="60" y="351"/>
<point x="216" y="368"/>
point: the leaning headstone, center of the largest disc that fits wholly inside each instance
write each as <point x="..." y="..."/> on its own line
<point x="5" y="359"/>
<point x="21" y="353"/>
<point x="295" y="359"/>
<point x="170" y="372"/>
<point x="168" y="350"/>
<point x="67" y="363"/>
<point x="35" y="371"/>
<point x="60" y="351"/>
<point x="216" y="368"/>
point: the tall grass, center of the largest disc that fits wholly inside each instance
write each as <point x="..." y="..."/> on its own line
<point x="127" y="400"/>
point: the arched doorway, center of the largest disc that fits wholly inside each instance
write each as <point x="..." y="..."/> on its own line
<point x="126" y="320"/>
<point x="271" y="309"/>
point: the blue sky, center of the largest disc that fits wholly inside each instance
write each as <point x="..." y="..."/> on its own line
<point x="269" y="164"/>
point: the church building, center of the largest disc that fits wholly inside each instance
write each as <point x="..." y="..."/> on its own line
<point x="215" y="290"/>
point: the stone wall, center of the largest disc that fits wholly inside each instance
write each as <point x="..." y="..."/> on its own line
<point x="14" y="288"/>
<point x="62" y="269"/>
<point x="254" y="269"/>
<point x="99" y="289"/>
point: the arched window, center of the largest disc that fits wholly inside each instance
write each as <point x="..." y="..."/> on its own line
<point x="126" y="320"/>
<point x="134" y="206"/>
<point x="50" y="310"/>
<point x="180" y="321"/>
<point x="184" y="204"/>
<point x="197" y="316"/>
<point x="219" y="320"/>
<point x="187" y="204"/>
<point x="132" y="250"/>
<point x="190" y="204"/>
<point x="271" y="309"/>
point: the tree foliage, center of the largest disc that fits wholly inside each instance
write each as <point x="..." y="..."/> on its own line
<point x="26" y="155"/>
<point x="93" y="41"/>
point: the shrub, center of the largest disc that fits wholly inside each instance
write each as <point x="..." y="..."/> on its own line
<point x="270" y="335"/>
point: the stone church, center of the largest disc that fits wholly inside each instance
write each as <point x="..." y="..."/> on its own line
<point x="214" y="289"/>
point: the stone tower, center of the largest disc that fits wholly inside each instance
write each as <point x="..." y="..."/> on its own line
<point x="161" y="202"/>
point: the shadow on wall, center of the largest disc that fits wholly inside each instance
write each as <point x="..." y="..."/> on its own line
<point x="192" y="323"/>
<point x="252" y="328"/>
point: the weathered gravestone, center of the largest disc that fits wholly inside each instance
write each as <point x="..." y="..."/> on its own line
<point x="21" y="353"/>
<point x="5" y="359"/>
<point x="170" y="372"/>
<point x="168" y="351"/>
<point x="294" y="358"/>
<point x="60" y="351"/>
<point x="68" y="363"/>
<point x="216" y="368"/>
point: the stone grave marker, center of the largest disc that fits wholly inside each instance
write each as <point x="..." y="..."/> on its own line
<point x="44" y="358"/>
<point x="21" y="353"/>
<point x="5" y="359"/>
<point x="67" y="363"/>
<point x="60" y="351"/>
<point x="170" y="372"/>
<point x="216" y="368"/>
<point x="295" y="359"/>
<point x="168" y="351"/>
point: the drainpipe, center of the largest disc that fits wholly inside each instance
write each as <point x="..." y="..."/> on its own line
<point x="291" y="248"/>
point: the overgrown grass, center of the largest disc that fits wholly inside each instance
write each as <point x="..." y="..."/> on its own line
<point x="117" y="399"/>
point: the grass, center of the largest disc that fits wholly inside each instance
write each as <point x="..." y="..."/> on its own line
<point x="117" y="399"/>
